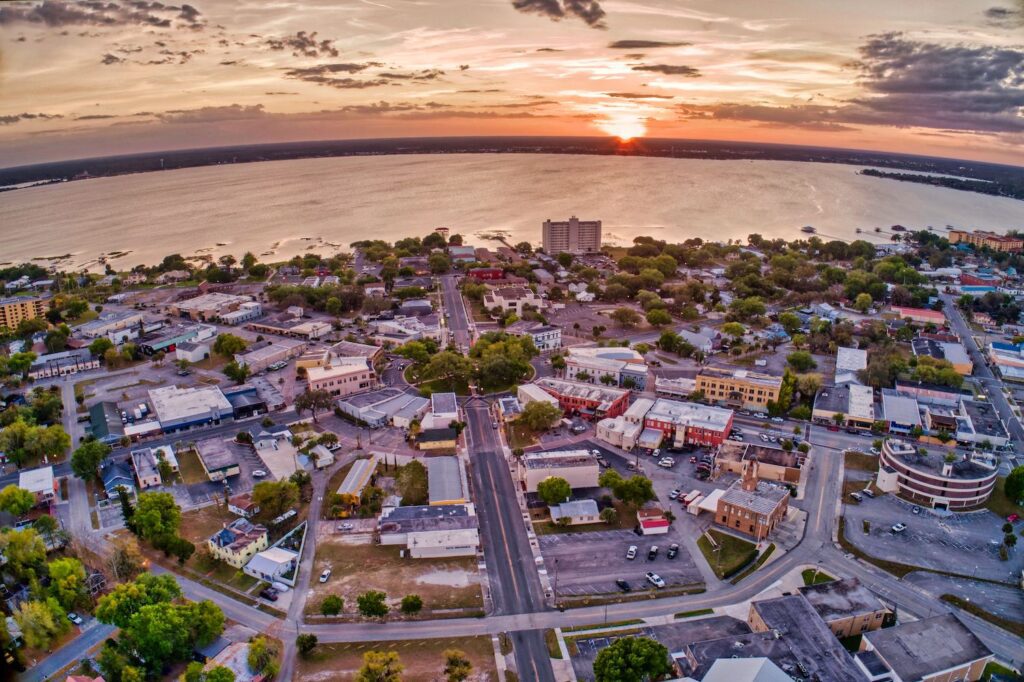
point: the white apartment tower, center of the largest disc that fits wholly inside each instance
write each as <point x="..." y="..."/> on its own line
<point x="571" y="236"/>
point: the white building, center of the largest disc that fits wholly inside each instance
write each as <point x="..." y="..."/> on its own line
<point x="513" y="299"/>
<point x="444" y="409"/>
<point x="192" y="351"/>
<point x="431" y="531"/>
<point x="578" y="467"/>
<point x="849" y="361"/>
<point x="183" y="408"/>
<point x="528" y="393"/>
<point x="272" y="564"/>
<point x="571" y="236"/>
<point x="545" y="336"/>
<point x="40" y="482"/>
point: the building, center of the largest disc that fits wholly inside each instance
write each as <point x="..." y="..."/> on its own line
<point x="587" y="400"/>
<point x="579" y="468"/>
<point x="920" y="315"/>
<point x="571" y="236"/>
<point x="105" y="422"/>
<point x="528" y="393"/>
<point x="354" y="375"/>
<point x="689" y="423"/>
<point x="931" y="394"/>
<point x="17" y="308"/>
<point x="208" y="307"/>
<point x="62" y="364"/>
<point x="446" y="481"/>
<point x="247" y="312"/>
<point x="846" y="606"/>
<point x="592" y="364"/>
<point x="275" y="564"/>
<point x="358" y="477"/>
<point x="849" y="361"/>
<point x="40" y="482"/>
<point x="509" y="408"/>
<point x="854" y="402"/>
<point x="738" y="388"/>
<point x="167" y="340"/>
<point x="965" y="482"/>
<point x="901" y="413"/>
<point x="242" y="505"/>
<point x="980" y="279"/>
<point x="431" y="531"/>
<point x="263" y="355"/>
<point x="116" y="475"/>
<point x="953" y="353"/>
<point x="386" y="406"/>
<point x="415" y="307"/>
<point x="977" y="422"/>
<point x="752" y="507"/>
<point x="437" y="439"/>
<point x="147" y="468"/>
<point x="406" y="328"/>
<point x="351" y="349"/>
<point x="1008" y="359"/>
<point x="705" y="340"/>
<point x="109" y="323"/>
<point x="936" y="649"/>
<point x="759" y="669"/>
<point x="512" y="299"/>
<point x="619" y="432"/>
<point x="675" y="387"/>
<point x="237" y="542"/>
<point x="217" y="460"/>
<point x="173" y="276"/>
<point x="652" y="521"/>
<point x="291" y="326"/>
<point x="485" y="274"/>
<point x="375" y="290"/>
<point x="545" y="337"/>
<point x="575" y="513"/>
<point x="178" y="409"/>
<point x="979" y="238"/>
<point x="192" y="351"/>
<point x="774" y="464"/>
<point x="321" y="456"/>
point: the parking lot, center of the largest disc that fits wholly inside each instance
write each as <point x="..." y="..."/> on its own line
<point x="590" y="563"/>
<point x="960" y="543"/>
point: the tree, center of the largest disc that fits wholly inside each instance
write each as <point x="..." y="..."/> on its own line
<point x="156" y="515"/>
<point x="439" y="263"/>
<point x="632" y="659"/>
<point x="448" y="366"/>
<point x="126" y="599"/>
<point x="48" y="529"/>
<point x="457" y="666"/>
<point x="1014" y="486"/>
<point x="67" y="582"/>
<point x="372" y="604"/>
<point x="411" y="603"/>
<point x="85" y="460"/>
<point x="40" y="622"/>
<point x="862" y="302"/>
<point x="554" y="490"/>
<point x="609" y="515"/>
<point x="633" y="491"/>
<point x="540" y="415"/>
<point x="236" y="372"/>
<point x="157" y="634"/>
<point x="314" y="401"/>
<point x="262" y="656"/>
<point x="801" y="361"/>
<point x="411" y="483"/>
<point x="305" y="643"/>
<point x="229" y="345"/>
<point x="25" y="552"/>
<point x="205" y="619"/>
<point x="627" y="318"/>
<point x="16" y="501"/>
<point x="733" y="329"/>
<point x="790" y="323"/>
<point x="100" y="346"/>
<point x="275" y="497"/>
<point x="659" y="317"/>
<point x="125" y="558"/>
<point x="839" y="418"/>
<point x="331" y="605"/>
<point x="195" y="672"/>
<point x="380" y="666"/>
<point x="1009" y="539"/>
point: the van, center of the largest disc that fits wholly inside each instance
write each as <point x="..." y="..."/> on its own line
<point x="856" y="497"/>
<point x="869" y="493"/>
<point x="652" y="553"/>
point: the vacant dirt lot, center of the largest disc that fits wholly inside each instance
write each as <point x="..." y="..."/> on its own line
<point x="423" y="659"/>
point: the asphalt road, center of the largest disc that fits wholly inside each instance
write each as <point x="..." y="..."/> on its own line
<point x="458" y="318"/>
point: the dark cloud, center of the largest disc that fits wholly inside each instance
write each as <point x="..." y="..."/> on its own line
<point x="424" y="75"/>
<point x="637" y="95"/>
<point x="231" y="112"/>
<point x="322" y="74"/>
<point x="549" y="49"/>
<point x="588" y="10"/>
<point x="173" y="57"/>
<point x="10" y="119"/>
<point x="304" y="44"/>
<point x="60" y="13"/>
<point x="805" y="116"/>
<point x="1005" y="17"/>
<point x="280" y="93"/>
<point x="94" y="117"/>
<point x="642" y="44"/>
<point x="229" y="62"/>
<point x="109" y="59"/>
<point x="669" y="69"/>
<point x="480" y="91"/>
<point x="463" y="67"/>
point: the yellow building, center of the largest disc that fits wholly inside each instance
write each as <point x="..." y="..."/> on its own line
<point x="14" y="310"/>
<point x="996" y="242"/>
<point x="237" y="542"/>
<point x="738" y="388"/>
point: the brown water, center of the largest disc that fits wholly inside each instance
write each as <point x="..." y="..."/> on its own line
<point x="286" y="207"/>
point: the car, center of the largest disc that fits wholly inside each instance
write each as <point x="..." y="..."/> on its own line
<point x="269" y="593"/>
<point x="494" y="425"/>
<point x="899" y="527"/>
<point x="857" y="497"/>
<point x="325" y="575"/>
<point x="345" y="526"/>
<point x="75" y="618"/>
<point x="595" y="453"/>
<point x="259" y="473"/>
<point x="773" y="439"/>
<point x="693" y="460"/>
<point x="874" y="451"/>
<point x="760" y="415"/>
<point x="870" y="493"/>
<point x="850" y="429"/>
<point x="656" y="452"/>
<point x="652" y="553"/>
<point x="915" y="509"/>
<point x="763" y="437"/>
<point x="603" y="463"/>
<point x="623" y="585"/>
<point x="631" y="552"/>
<point x="666" y="462"/>
<point x="673" y="550"/>
<point x="654" y="579"/>
<point x="674" y="493"/>
<point x="778" y="420"/>
<point x="1013" y="518"/>
<point x="184" y="372"/>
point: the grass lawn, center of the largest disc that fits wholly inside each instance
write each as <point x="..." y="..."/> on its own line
<point x="1006" y="624"/>
<point x="551" y="639"/>
<point x="814" y="577"/>
<point x="443" y="386"/>
<point x="731" y="555"/>
<point x="423" y="658"/>
<point x="691" y="614"/>
<point x="189" y="468"/>
<point x="769" y="550"/>
<point x="520" y="436"/>
<point x="449" y="583"/>
<point x="1000" y="504"/>
<point x="212" y="363"/>
<point x="860" y="461"/>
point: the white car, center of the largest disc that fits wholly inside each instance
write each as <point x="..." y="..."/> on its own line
<point x="75" y="618"/>
<point x="899" y="527"/>
<point x="763" y="437"/>
<point x="259" y="473"/>
<point x="655" y="579"/>
<point x="325" y="575"/>
<point x="674" y="493"/>
<point x="874" y="451"/>
<point x="667" y="462"/>
<point x="345" y="526"/>
<point x="631" y="552"/>
<point x="778" y="420"/>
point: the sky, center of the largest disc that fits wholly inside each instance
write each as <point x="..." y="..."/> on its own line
<point x="82" y="78"/>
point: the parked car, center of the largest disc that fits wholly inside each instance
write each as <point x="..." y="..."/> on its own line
<point x="693" y="460"/>
<point x="674" y="493"/>
<point x="259" y="473"/>
<point x="631" y="552"/>
<point x="763" y="437"/>
<point x="603" y="463"/>
<point x="75" y="618"/>
<point x="899" y="527"/>
<point x="673" y="550"/>
<point x="346" y="525"/>
<point x="652" y="553"/>
<point x="623" y="585"/>
<point x="655" y="579"/>
<point x="869" y="492"/>
<point x="325" y="575"/>
<point x="916" y="509"/>
<point x="857" y="497"/>
<point x="666" y="462"/>
<point x="778" y="420"/>
<point x="1013" y="518"/>
<point x="874" y="451"/>
<point x="269" y="593"/>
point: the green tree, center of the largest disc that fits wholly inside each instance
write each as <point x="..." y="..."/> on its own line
<point x="25" y="552"/>
<point x="16" y="501"/>
<point x="100" y="346"/>
<point x="632" y="659"/>
<point x="262" y="656"/>
<point x="305" y="643"/>
<point x="236" y="372"/>
<point x="610" y="515"/>
<point x="790" y="323"/>
<point x="554" y="490"/>
<point x="411" y="483"/>
<point x="67" y="582"/>
<point x="626" y="318"/>
<point x="157" y="634"/>
<point x="156" y="515"/>
<point x="86" y="459"/>
<point x="380" y="666"/>
<point x="126" y="599"/>
<point x="633" y="491"/>
<point x="411" y="603"/>
<point x="801" y="361"/>
<point x="275" y="497"/>
<point x="540" y="415"/>
<point x="733" y="329"/>
<point x="229" y="345"/>
<point x="862" y="302"/>
<point x="839" y="418"/>
<point x="331" y="605"/>
<point x="448" y="366"/>
<point x="659" y="317"/>
<point x="195" y="672"/>
<point x="314" y="401"/>
<point x="372" y="604"/>
<point x="40" y="622"/>
<point x="1014" y="485"/>
<point x="439" y="263"/>
<point x="457" y="666"/>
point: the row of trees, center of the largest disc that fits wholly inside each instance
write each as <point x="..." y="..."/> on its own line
<point x="372" y="604"/>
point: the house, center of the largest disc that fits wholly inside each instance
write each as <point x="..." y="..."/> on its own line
<point x="416" y="307"/>
<point x="192" y="351"/>
<point x="322" y="457"/>
<point x="116" y="475"/>
<point x="509" y="408"/>
<point x="933" y="649"/>
<point x="437" y="439"/>
<point x="247" y="312"/>
<point x="512" y="299"/>
<point x="237" y="542"/>
<point x="544" y="336"/>
<point x="484" y="274"/>
<point x="705" y="340"/>
<point x="846" y="606"/>
<point x="652" y="521"/>
<point x="40" y="482"/>
<point x="575" y="513"/>
<point x="446" y="481"/>
<point x="217" y="460"/>
<point x="147" y="469"/>
<point x="444" y="409"/>
<point x="242" y="505"/>
<point x="358" y="477"/>
<point x="273" y="565"/>
<point x="431" y="531"/>
<point x="375" y="290"/>
<point x="578" y="467"/>
<point x="105" y="422"/>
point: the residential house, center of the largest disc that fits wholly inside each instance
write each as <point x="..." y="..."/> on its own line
<point x="40" y="482"/>
<point x="237" y="542"/>
<point x="242" y="505"/>
<point x="575" y="513"/>
<point x="275" y="564"/>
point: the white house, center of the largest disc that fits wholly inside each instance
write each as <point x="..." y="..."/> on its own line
<point x="272" y="564"/>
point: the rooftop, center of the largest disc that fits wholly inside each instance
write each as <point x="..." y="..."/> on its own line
<point x="690" y="414"/>
<point x="353" y="349"/>
<point x="358" y="476"/>
<point x="573" y="509"/>
<point x="900" y="409"/>
<point x="984" y="419"/>
<point x="817" y="650"/>
<point x="339" y="370"/>
<point x="444" y="479"/>
<point x="603" y="395"/>
<point x="444" y="403"/>
<point x="171" y="403"/>
<point x="238" y="535"/>
<point x="737" y="452"/>
<point x="920" y="648"/>
<point x="556" y="459"/>
<point x="440" y="517"/>
<point x="36" y="480"/>
<point x="940" y="350"/>
<point x="741" y="374"/>
<point x="215" y="454"/>
<point x="211" y="301"/>
<point x="763" y="501"/>
<point x="841" y="598"/>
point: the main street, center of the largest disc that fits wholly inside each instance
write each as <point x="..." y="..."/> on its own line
<point x="458" y="318"/>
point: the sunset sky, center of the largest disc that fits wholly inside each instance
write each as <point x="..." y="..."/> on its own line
<point x="88" y="78"/>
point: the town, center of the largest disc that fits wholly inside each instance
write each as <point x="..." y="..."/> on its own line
<point x="791" y="460"/>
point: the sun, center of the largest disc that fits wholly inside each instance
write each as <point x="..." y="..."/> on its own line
<point x="623" y="127"/>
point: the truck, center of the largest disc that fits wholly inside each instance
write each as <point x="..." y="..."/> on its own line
<point x="693" y="507"/>
<point x="690" y="497"/>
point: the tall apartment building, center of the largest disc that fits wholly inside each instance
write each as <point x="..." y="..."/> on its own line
<point x="996" y="242"/>
<point x="14" y="310"/>
<point x="571" y="236"/>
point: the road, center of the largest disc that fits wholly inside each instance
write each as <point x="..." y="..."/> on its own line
<point x="458" y="319"/>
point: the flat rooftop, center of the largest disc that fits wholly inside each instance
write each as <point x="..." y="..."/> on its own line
<point x="690" y="414"/>
<point x="818" y="653"/>
<point x="353" y="349"/>
<point x="171" y="403"/>
<point x="418" y="519"/>
<point x="215" y="454"/>
<point x="444" y="479"/>
<point x="556" y="459"/>
<point x="727" y="373"/>
<point x="841" y="598"/>
<point x="737" y="452"/>
<point x="984" y="418"/>
<point x="920" y="648"/>
<point x="444" y="403"/>
<point x="604" y="395"/>
<point x="900" y="409"/>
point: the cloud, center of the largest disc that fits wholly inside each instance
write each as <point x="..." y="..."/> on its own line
<point x="549" y="49"/>
<point x="94" y="117"/>
<point x="231" y="112"/>
<point x="304" y="44"/>
<point x="60" y="13"/>
<point x="279" y="92"/>
<point x="109" y="59"/>
<point x="806" y="116"/>
<point x="637" y="95"/>
<point x="10" y="119"/>
<point x="322" y="74"/>
<point x="669" y="69"/>
<point x="1005" y="17"/>
<point x="588" y="10"/>
<point x="424" y="75"/>
<point x="643" y="44"/>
